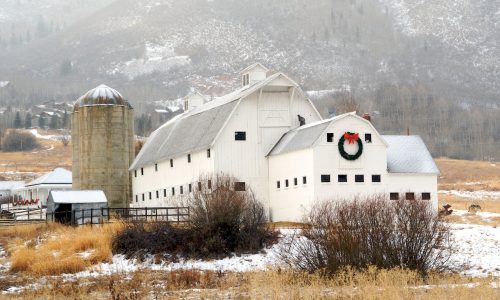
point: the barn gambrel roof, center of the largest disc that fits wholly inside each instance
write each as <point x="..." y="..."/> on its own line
<point x="196" y="129"/>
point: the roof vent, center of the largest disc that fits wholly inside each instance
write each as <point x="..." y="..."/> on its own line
<point x="254" y="73"/>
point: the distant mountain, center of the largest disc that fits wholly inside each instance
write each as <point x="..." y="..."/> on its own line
<point x="158" y="49"/>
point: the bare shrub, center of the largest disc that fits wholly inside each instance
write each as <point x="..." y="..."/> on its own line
<point x="222" y="221"/>
<point x="17" y="140"/>
<point x="370" y="232"/>
<point x="65" y="139"/>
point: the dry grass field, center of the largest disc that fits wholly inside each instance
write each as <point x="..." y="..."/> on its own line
<point x="468" y="175"/>
<point x="51" y="154"/>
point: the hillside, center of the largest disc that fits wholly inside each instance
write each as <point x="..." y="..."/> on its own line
<point x="417" y="64"/>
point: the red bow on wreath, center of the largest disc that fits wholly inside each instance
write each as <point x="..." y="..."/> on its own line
<point x="351" y="137"/>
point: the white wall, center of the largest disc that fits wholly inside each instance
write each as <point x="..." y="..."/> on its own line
<point x="181" y="174"/>
<point x="417" y="183"/>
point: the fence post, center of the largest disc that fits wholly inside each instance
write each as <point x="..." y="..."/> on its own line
<point x="28" y="213"/>
<point x="91" y="216"/>
<point x="178" y="216"/>
<point x="146" y="213"/>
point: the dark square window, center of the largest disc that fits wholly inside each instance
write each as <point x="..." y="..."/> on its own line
<point x="209" y="184"/>
<point x="189" y="158"/>
<point x="286" y="182"/>
<point x="375" y="178"/>
<point x="240" y="136"/>
<point x="190" y="188"/>
<point x="239" y="186"/>
<point x="208" y="153"/>
<point x="278" y="184"/>
<point x="368" y="137"/>
<point x="156" y="167"/>
<point x="199" y="186"/>
<point x="171" y="163"/>
<point x="426" y="196"/>
<point x="142" y="197"/>
<point x="142" y="171"/>
<point x="295" y="181"/>
<point x="359" y="178"/>
<point x="342" y="178"/>
<point x="329" y="137"/>
<point x="304" y="180"/>
<point x="394" y="196"/>
<point x="135" y="173"/>
<point x="325" y="178"/>
<point x="164" y="192"/>
<point x="136" y="198"/>
<point x="410" y="196"/>
<point x="181" y="189"/>
<point x="150" y="196"/>
<point x="157" y="194"/>
<point x="173" y="191"/>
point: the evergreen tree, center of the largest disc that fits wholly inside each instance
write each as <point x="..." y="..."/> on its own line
<point x="17" y="120"/>
<point x="54" y="122"/>
<point x="27" y="121"/>
<point x="41" y="122"/>
<point x="65" y="119"/>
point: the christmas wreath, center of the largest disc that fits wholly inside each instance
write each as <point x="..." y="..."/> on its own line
<point x="351" y="138"/>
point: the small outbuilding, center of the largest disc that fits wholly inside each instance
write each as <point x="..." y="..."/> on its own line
<point x="77" y="207"/>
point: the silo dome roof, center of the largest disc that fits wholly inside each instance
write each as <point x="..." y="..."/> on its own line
<point x="101" y="95"/>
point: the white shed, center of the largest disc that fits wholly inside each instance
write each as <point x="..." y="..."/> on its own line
<point x="76" y="207"/>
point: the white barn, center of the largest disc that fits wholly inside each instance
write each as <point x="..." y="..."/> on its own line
<point x="270" y="136"/>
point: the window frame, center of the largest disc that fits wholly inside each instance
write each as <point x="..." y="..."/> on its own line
<point x="142" y="171"/>
<point x="375" y="176"/>
<point x="286" y="183"/>
<point x="410" y="196"/>
<point x="157" y="194"/>
<point x="239" y="186"/>
<point x="189" y="158"/>
<point x="359" y="178"/>
<point x="278" y="184"/>
<point x="426" y="194"/>
<point x="208" y="153"/>
<point x="171" y="162"/>
<point x="295" y="181"/>
<point x="394" y="196"/>
<point x="173" y="191"/>
<point x="325" y="178"/>
<point x="342" y="176"/>
<point x="330" y="137"/>
<point x="304" y="179"/>
<point x="368" y="138"/>
<point x="156" y="167"/>
<point x="240" y="135"/>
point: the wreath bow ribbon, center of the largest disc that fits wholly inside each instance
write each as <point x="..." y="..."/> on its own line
<point x="351" y="138"/>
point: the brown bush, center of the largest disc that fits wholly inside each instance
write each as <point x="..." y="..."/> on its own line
<point x="17" y="140"/>
<point x="222" y="221"/>
<point x="370" y="232"/>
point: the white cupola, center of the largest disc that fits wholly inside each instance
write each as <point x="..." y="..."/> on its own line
<point x="254" y="73"/>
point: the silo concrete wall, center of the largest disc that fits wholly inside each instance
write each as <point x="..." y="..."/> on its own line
<point x="103" y="150"/>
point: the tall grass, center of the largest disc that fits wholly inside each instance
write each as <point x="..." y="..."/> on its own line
<point x="55" y="249"/>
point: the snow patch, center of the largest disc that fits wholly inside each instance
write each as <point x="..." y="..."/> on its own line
<point x="472" y="194"/>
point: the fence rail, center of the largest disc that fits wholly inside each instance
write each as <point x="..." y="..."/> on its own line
<point x="93" y="216"/>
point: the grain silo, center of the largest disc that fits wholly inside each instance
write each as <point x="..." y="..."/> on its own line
<point x="103" y="144"/>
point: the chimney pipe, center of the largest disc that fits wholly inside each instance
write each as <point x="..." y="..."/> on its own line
<point x="367" y="116"/>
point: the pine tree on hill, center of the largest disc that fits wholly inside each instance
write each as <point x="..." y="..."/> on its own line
<point x="41" y="122"/>
<point x="27" y="121"/>
<point x="54" y="122"/>
<point x="17" y="121"/>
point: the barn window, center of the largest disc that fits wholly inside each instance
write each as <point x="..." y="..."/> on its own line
<point x="239" y="186"/>
<point x="199" y="186"/>
<point x="240" y="136"/>
<point x="426" y="196"/>
<point x="171" y="163"/>
<point x="368" y="137"/>
<point x="164" y="192"/>
<point x="142" y="171"/>
<point x="136" y="198"/>
<point x="304" y="180"/>
<point x="150" y="196"/>
<point x="286" y="182"/>
<point x="375" y="178"/>
<point x="173" y="191"/>
<point x="189" y="158"/>
<point x="329" y="137"/>
<point x="359" y="178"/>
<point x="295" y="181"/>
<point x="410" y="196"/>
<point x="142" y="196"/>
<point x="135" y="173"/>
<point x="325" y="178"/>
<point x="342" y="178"/>
<point x="156" y="167"/>
<point x="209" y="183"/>
<point x="208" y="153"/>
<point x="181" y="189"/>
<point x="157" y="194"/>
<point x="394" y="196"/>
<point x="190" y="188"/>
<point x="278" y="184"/>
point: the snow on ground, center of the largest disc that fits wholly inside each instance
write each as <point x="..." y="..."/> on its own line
<point x="46" y="137"/>
<point x="472" y="194"/>
<point x="477" y="249"/>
